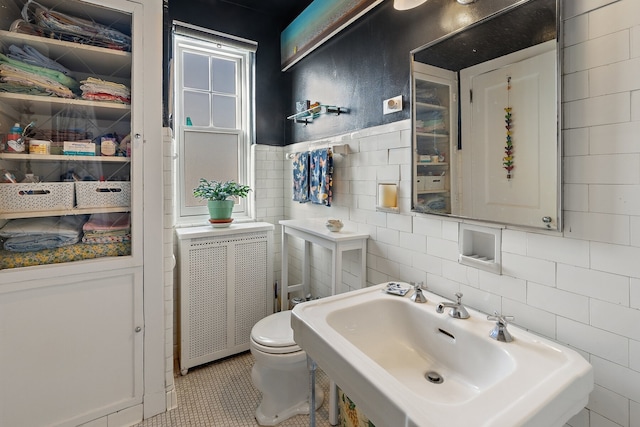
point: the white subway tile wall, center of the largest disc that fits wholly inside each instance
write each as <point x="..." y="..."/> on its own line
<point x="580" y="287"/>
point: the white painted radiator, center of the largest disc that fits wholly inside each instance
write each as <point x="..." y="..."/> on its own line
<point x="226" y="286"/>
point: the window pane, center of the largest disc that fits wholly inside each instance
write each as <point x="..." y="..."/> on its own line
<point x="196" y="107"/>
<point x="196" y="71"/>
<point x="224" y="111"/>
<point x="208" y="155"/>
<point x="223" y="73"/>
<point x="217" y="111"/>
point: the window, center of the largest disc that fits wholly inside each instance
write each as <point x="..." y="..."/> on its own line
<point x="213" y="120"/>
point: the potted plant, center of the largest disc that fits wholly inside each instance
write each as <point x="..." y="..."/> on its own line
<point x="219" y="196"/>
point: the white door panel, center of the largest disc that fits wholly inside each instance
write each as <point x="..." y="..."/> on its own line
<point x="530" y="194"/>
<point x="71" y="348"/>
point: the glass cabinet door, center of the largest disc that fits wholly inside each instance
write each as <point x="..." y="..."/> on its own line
<point x="434" y="139"/>
<point x="65" y="132"/>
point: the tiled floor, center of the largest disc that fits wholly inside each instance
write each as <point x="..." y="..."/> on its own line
<point x="220" y="394"/>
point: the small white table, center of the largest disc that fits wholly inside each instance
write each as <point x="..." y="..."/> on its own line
<point x="313" y="231"/>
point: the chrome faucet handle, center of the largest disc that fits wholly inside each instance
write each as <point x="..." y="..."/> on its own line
<point x="504" y="320"/>
<point x="418" y="296"/>
<point x="499" y="331"/>
<point x="458" y="311"/>
<point x="458" y="297"/>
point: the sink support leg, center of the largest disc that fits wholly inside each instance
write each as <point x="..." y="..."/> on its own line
<point x="333" y="403"/>
<point x="312" y="393"/>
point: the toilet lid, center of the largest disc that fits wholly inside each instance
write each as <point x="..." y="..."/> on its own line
<point x="274" y="330"/>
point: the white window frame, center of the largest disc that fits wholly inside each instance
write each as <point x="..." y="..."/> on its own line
<point x="188" y="38"/>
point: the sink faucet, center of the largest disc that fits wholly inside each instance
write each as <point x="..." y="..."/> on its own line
<point x="418" y="296"/>
<point x="458" y="311"/>
<point x="499" y="332"/>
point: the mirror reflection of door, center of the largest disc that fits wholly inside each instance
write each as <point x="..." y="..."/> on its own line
<point x="530" y="194"/>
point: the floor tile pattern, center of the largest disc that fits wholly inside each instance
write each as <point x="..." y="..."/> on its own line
<point x="220" y="394"/>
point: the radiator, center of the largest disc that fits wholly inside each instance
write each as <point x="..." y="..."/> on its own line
<point x="226" y="287"/>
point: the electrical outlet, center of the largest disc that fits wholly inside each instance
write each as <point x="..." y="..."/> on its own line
<point x="392" y="105"/>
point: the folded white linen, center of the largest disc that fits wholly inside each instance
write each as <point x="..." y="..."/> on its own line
<point x="65" y="225"/>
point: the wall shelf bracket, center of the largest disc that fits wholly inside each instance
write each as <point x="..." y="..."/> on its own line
<point x="309" y="115"/>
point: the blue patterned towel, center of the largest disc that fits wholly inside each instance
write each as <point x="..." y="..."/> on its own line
<point x="321" y="176"/>
<point x="301" y="177"/>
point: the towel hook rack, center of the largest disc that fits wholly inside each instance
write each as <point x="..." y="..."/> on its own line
<point x="342" y="149"/>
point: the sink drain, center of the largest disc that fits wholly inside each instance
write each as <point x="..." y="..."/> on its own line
<point x="434" y="377"/>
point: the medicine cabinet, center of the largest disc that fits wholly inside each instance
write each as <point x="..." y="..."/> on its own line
<point x="492" y="168"/>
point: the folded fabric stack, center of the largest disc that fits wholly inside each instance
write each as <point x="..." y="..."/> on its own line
<point x="107" y="228"/>
<point x="34" y="234"/>
<point x="431" y="122"/>
<point x="30" y="55"/>
<point x="437" y="204"/>
<point x="23" y="76"/>
<point x="39" y="20"/>
<point x="101" y="90"/>
<point x="427" y="95"/>
<point x="70" y="253"/>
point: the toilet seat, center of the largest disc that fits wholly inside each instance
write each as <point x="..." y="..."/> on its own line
<point x="273" y="334"/>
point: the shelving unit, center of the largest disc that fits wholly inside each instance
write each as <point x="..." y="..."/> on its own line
<point x="79" y="59"/>
<point x="434" y="136"/>
<point x="77" y="288"/>
<point x="85" y="305"/>
<point x="64" y="158"/>
<point x="309" y="115"/>
<point x="55" y="114"/>
<point x="42" y="105"/>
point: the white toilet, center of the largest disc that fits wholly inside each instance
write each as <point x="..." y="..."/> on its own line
<point x="280" y="371"/>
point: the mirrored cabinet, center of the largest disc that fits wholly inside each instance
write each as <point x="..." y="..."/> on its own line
<point x="434" y="138"/>
<point x="487" y="144"/>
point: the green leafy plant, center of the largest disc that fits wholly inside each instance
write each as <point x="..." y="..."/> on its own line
<point x="220" y="190"/>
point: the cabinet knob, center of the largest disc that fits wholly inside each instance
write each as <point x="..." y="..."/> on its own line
<point x="138" y="136"/>
<point x="138" y="328"/>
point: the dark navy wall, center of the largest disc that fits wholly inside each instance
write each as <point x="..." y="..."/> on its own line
<point x="271" y="83"/>
<point x="369" y="61"/>
<point x="358" y="68"/>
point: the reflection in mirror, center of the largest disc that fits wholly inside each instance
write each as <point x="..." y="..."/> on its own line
<point x="486" y="141"/>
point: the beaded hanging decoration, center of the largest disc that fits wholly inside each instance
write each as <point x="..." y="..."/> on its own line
<point x="507" y="160"/>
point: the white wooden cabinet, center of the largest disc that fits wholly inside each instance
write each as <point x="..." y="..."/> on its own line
<point x="71" y="348"/>
<point x="226" y="286"/>
<point x="73" y="330"/>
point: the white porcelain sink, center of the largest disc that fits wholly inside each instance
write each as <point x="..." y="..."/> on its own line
<point x="389" y="354"/>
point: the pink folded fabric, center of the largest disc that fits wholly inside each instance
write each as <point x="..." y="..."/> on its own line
<point x="108" y="222"/>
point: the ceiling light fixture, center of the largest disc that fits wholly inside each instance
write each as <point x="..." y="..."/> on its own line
<point x="406" y="4"/>
<point x="466" y="1"/>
